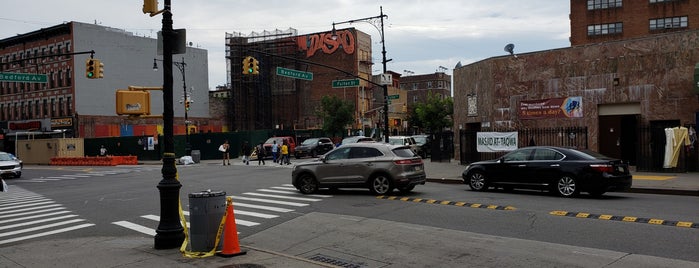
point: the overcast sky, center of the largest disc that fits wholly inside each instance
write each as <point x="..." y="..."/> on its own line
<point x="420" y="35"/>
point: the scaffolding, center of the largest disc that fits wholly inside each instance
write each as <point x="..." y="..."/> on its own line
<point x="264" y="101"/>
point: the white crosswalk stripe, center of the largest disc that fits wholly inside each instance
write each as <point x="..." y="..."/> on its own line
<point x="258" y="206"/>
<point x="82" y="175"/>
<point x="26" y="215"/>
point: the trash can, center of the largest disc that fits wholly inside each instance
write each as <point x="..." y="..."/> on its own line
<point x="206" y="209"/>
<point x="196" y="156"/>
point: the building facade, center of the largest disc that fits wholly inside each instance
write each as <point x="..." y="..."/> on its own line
<point x="613" y="89"/>
<point x="69" y="103"/>
<point x="595" y="21"/>
<point x="418" y="87"/>
<point x="295" y="72"/>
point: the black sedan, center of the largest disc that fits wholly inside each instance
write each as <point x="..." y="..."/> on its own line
<point x="564" y="171"/>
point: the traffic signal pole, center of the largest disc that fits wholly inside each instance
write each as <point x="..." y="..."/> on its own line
<point x="170" y="233"/>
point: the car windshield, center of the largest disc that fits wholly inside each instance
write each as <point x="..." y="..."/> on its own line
<point x="271" y="140"/>
<point x="420" y="140"/>
<point x="310" y="142"/>
<point x="396" y="141"/>
<point x="5" y="157"/>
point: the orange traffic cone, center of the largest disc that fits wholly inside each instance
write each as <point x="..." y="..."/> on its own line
<point x="231" y="247"/>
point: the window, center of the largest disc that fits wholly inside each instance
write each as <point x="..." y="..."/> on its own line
<point x="440" y="84"/>
<point x="414" y="85"/>
<point x="521" y="155"/>
<point x="660" y="1"/>
<point x="604" y="29"/>
<point x="546" y="154"/>
<point x="603" y="4"/>
<point x="362" y="152"/>
<point x="429" y="84"/>
<point x="668" y="23"/>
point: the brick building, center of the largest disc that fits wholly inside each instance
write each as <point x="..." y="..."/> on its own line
<point x="417" y="87"/>
<point x="273" y="101"/>
<point x="72" y="105"/>
<point x="595" y="21"/>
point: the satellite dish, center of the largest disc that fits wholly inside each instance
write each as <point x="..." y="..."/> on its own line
<point x="510" y="48"/>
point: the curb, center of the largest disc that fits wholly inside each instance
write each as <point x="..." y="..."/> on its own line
<point x="632" y="190"/>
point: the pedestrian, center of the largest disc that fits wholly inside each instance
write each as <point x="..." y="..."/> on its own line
<point x="260" y="154"/>
<point x="275" y="152"/>
<point x="246" y="152"/>
<point x="285" y="154"/>
<point x="224" y="149"/>
<point x="103" y="151"/>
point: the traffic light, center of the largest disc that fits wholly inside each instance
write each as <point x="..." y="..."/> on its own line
<point x="150" y="6"/>
<point x="90" y="68"/>
<point x="186" y="105"/>
<point x="255" y="67"/>
<point x="246" y="62"/>
<point x="99" y="68"/>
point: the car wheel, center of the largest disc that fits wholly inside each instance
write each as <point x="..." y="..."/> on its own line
<point x="380" y="184"/>
<point x="478" y="181"/>
<point x="307" y="184"/>
<point x="566" y="186"/>
<point x="406" y="189"/>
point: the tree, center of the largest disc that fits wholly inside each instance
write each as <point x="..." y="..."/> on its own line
<point x="336" y="114"/>
<point x="435" y="114"/>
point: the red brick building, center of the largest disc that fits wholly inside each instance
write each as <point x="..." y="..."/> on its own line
<point x="595" y="21"/>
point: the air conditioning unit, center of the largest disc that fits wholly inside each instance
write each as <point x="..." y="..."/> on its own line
<point x="668" y="26"/>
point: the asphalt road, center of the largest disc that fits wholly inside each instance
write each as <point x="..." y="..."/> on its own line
<point x="117" y="200"/>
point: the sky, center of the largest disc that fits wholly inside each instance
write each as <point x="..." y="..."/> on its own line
<point x="421" y="37"/>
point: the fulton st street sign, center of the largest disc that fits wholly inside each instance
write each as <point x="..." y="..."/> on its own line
<point x="346" y="83"/>
<point x="294" y="73"/>
<point x="20" y="77"/>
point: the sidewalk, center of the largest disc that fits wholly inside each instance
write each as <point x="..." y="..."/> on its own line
<point x="643" y="182"/>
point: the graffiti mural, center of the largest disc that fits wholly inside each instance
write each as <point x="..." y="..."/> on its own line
<point x="323" y="41"/>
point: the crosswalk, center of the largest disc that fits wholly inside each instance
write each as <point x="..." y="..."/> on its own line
<point x="250" y="208"/>
<point x="25" y="215"/>
<point x="82" y="175"/>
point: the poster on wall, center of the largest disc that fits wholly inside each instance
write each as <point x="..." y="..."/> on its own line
<point x="570" y="107"/>
<point x="487" y="142"/>
<point x="151" y="144"/>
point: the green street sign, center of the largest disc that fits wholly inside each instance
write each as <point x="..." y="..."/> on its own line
<point x="296" y="74"/>
<point x="20" y="77"/>
<point x="393" y="97"/>
<point x="346" y="83"/>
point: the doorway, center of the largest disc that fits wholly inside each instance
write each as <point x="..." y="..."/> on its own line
<point x="618" y="137"/>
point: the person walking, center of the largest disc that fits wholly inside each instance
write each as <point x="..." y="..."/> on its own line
<point x="224" y="149"/>
<point x="275" y="152"/>
<point x="246" y="152"/>
<point x="285" y="154"/>
<point x="260" y="154"/>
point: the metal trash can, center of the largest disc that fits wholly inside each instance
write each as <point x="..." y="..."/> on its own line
<point x="196" y="156"/>
<point x="206" y="209"/>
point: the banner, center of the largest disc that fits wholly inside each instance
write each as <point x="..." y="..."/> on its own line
<point x="496" y="141"/>
<point x="570" y="107"/>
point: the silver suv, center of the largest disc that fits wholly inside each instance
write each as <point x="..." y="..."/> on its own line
<point x="380" y="167"/>
<point x="406" y="140"/>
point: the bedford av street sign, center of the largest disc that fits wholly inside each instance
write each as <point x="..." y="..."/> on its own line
<point x="294" y="73"/>
<point x="20" y="77"/>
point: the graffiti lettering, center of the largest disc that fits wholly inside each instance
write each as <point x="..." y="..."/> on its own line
<point x="324" y="41"/>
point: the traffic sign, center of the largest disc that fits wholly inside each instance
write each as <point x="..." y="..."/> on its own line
<point x="393" y="97"/>
<point x="294" y="73"/>
<point x="20" y="77"/>
<point x="346" y="83"/>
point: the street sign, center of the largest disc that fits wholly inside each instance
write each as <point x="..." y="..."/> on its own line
<point x="296" y="74"/>
<point x="346" y="83"/>
<point x="385" y="79"/>
<point x="20" y="77"/>
<point x="393" y="97"/>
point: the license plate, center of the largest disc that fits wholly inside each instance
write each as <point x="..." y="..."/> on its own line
<point x="418" y="168"/>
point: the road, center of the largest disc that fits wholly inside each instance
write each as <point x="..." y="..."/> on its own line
<point x="121" y="201"/>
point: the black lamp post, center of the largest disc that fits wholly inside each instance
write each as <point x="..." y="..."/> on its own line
<point x="372" y="21"/>
<point x="181" y="66"/>
<point x="170" y="232"/>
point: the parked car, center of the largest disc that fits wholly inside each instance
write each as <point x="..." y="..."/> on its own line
<point x="314" y="147"/>
<point x="10" y="166"/>
<point x="355" y="139"/>
<point x="380" y="167"/>
<point x="425" y="143"/>
<point x="290" y="141"/>
<point x="405" y="140"/>
<point x="563" y="171"/>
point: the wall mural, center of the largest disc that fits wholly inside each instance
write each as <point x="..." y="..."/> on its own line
<point x="323" y="41"/>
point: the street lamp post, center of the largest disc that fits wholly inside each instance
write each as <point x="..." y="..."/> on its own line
<point x="182" y="66"/>
<point x="371" y="20"/>
<point x="170" y="232"/>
